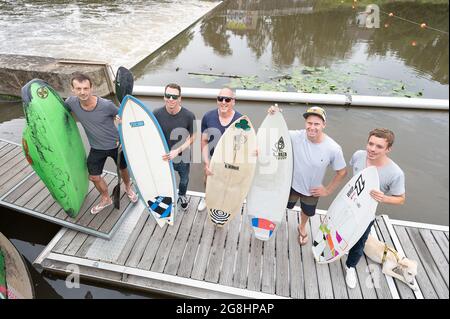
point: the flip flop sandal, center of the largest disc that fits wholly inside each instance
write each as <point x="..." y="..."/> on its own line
<point x="302" y="239"/>
<point x="132" y="196"/>
<point x="98" y="208"/>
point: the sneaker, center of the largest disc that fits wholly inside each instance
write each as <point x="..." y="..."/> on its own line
<point x="201" y="205"/>
<point x="182" y="199"/>
<point x="350" y="277"/>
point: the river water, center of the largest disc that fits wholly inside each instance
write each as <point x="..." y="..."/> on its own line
<point x="311" y="46"/>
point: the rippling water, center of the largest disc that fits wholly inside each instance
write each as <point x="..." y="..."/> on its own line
<point x="118" y="32"/>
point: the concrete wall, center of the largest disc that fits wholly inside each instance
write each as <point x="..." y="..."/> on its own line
<point x="17" y="70"/>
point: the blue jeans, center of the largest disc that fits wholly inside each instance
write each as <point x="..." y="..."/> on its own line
<point x="355" y="254"/>
<point x="183" y="170"/>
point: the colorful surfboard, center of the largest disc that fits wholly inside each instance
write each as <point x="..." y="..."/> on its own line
<point x="347" y="218"/>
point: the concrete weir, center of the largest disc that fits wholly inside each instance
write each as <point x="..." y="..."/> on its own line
<point x="17" y="70"/>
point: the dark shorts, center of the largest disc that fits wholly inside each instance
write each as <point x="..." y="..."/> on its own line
<point x="308" y="204"/>
<point x="97" y="158"/>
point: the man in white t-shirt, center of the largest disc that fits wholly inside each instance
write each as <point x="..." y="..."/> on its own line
<point x="392" y="187"/>
<point x="313" y="152"/>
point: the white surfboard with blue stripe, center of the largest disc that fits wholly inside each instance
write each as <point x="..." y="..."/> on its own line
<point x="143" y="145"/>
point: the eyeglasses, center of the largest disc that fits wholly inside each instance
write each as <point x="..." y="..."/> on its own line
<point x="171" y="96"/>
<point x="224" y="98"/>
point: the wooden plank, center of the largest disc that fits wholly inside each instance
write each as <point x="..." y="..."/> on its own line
<point x="309" y="267"/>
<point x="282" y="284"/>
<point x="230" y="251"/>
<point x="367" y="276"/>
<point x="84" y="248"/>
<point x="62" y="244"/>
<point x="167" y="243"/>
<point x="442" y="241"/>
<point x="110" y="219"/>
<point x="133" y="239"/>
<point x="297" y="281"/>
<point x="428" y="263"/>
<point x="43" y="206"/>
<point x="269" y="263"/>
<point x="10" y="161"/>
<point x="8" y="152"/>
<point x="180" y="242"/>
<point x="75" y="244"/>
<point x="241" y="270"/>
<point x="403" y="290"/>
<point x="22" y="189"/>
<point x="14" y="176"/>
<point x="39" y="198"/>
<point x="3" y="144"/>
<point x="201" y="260"/>
<point x="30" y="193"/>
<point x="54" y="209"/>
<point x="355" y="293"/>
<point x="116" y="214"/>
<point x="214" y="265"/>
<point x="152" y="247"/>
<point x="255" y="263"/>
<point x="323" y="270"/>
<point x="422" y="279"/>
<point x="381" y="284"/>
<point x="338" y="280"/>
<point x="92" y="195"/>
<point x="84" y="217"/>
<point x="141" y="243"/>
<point x="187" y="261"/>
<point x="435" y="251"/>
<point x="104" y="215"/>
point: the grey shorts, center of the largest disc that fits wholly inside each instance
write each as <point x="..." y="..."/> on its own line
<point x="308" y="204"/>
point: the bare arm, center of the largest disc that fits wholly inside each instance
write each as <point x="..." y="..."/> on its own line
<point x="322" y="191"/>
<point x="174" y="153"/>
<point x="205" y="153"/>
<point x="386" y="199"/>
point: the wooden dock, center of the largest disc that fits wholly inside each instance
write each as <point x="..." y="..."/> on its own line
<point x="193" y="258"/>
<point x="22" y="190"/>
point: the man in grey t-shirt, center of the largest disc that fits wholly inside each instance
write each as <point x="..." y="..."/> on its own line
<point x="313" y="152"/>
<point x="97" y="116"/>
<point x="392" y="186"/>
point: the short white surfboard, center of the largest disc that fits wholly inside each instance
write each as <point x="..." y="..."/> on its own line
<point x="143" y="145"/>
<point x="233" y="165"/>
<point x="269" y="194"/>
<point x="347" y="218"/>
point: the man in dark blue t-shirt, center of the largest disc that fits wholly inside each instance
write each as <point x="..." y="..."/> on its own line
<point x="178" y="125"/>
<point x="214" y="124"/>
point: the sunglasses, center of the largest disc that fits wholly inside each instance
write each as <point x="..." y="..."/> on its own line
<point x="171" y="96"/>
<point x="224" y="98"/>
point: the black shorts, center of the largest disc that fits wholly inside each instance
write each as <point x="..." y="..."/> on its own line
<point x="308" y="204"/>
<point x="97" y="158"/>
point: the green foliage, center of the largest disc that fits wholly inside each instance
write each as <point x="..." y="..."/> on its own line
<point x="320" y="80"/>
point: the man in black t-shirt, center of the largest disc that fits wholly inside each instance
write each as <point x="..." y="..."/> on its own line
<point x="178" y="125"/>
